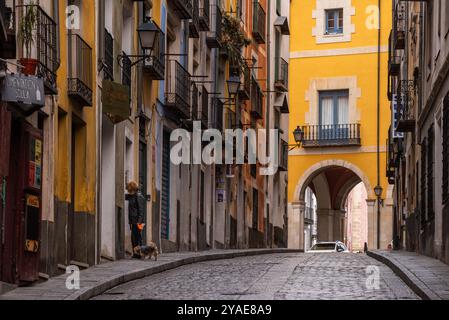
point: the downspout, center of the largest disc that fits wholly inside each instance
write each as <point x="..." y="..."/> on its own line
<point x="378" y="118"/>
<point x="98" y="218"/>
<point x="267" y="111"/>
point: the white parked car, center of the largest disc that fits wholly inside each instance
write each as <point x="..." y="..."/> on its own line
<point x="335" y="246"/>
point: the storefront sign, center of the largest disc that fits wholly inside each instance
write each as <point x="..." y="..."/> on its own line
<point x="115" y="100"/>
<point x="26" y="92"/>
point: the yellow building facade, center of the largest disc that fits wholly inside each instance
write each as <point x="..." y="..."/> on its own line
<point x="338" y="72"/>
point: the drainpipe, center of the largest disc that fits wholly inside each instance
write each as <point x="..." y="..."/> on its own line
<point x="99" y="123"/>
<point x="378" y="118"/>
<point x="267" y="111"/>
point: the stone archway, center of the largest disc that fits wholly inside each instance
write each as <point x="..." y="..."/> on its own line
<point x="341" y="177"/>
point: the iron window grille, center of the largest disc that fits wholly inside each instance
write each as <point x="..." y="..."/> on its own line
<point x="205" y="108"/>
<point x="126" y="72"/>
<point x="194" y="27"/>
<point x="259" y="23"/>
<point x="256" y="100"/>
<point x="399" y="26"/>
<point x="281" y="75"/>
<point x="213" y="39"/>
<point x="204" y="15"/>
<point x="217" y="109"/>
<point x="44" y="47"/>
<point x="183" y="8"/>
<point x="80" y="70"/>
<point x="178" y="91"/>
<point x="108" y="56"/>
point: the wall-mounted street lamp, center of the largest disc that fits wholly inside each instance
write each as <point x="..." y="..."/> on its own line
<point x="378" y="190"/>
<point x="233" y="85"/>
<point x="148" y="33"/>
<point x="298" y="135"/>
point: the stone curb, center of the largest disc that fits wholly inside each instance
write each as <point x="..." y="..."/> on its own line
<point x="408" y="277"/>
<point x="107" y="284"/>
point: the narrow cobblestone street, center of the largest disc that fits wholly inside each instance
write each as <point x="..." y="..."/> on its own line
<point x="273" y="277"/>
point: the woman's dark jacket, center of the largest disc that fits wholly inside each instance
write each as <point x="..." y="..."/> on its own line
<point x="136" y="208"/>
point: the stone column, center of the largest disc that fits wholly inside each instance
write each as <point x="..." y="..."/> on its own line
<point x="296" y="225"/>
<point x="372" y="223"/>
<point x="338" y="225"/>
<point x="325" y="224"/>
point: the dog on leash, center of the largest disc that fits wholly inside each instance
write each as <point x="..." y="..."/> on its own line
<point x="146" y="252"/>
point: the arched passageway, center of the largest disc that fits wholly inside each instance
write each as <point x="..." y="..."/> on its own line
<point x="331" y="182"/>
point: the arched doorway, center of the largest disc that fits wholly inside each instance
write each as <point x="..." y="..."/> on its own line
<point x="331" y="182"/>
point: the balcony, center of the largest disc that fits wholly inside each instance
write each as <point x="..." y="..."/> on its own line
<point x="44" y="48"/>
<point x="405" y="106"/>
<point x="332" y="135"/>
<point x="256" y="100"/>
<point x="217" y="109"/>
<point x="245" y="89"/>
<point x="281" y="75"/>
<point x="80" y="70"/>
<point x="390" y="166"/>
<point x="204" y="109"/>
<point x="194" y="27"/>
<point x="154" y="64"/>
<point x="8" y="33"/>
<point x="259" y="18"/>
<point x="399" y="26"/>
<point x="213" y="39"/>
<point x="178" y="94"/>
<point x="183" y="8"/>
<point x="283" y="156"/>
<point x="204" y="15"/>
<point x="394" y="60"/>
<point x="108" y="56"/>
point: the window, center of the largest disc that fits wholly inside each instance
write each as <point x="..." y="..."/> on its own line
<point x="334" y="21"/>
<point x="278" y="7"/>
<point x="334" y="107"/>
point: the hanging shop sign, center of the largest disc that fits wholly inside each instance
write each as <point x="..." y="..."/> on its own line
<point x="26" y="93"/>
<point x="115" y="100"/>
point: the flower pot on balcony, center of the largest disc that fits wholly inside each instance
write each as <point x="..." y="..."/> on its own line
<point x="29" y="66"/>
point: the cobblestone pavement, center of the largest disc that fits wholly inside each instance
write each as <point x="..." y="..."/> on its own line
<point x="287" y="276"/>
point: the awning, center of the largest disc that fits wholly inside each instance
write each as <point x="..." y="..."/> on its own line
<point x="282" y="23"/>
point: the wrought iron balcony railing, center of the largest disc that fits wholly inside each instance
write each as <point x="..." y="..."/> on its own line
<point x="256" y="100"/>
<point x="245" y="89"/>
<point x="204" y="15"/>
<point x="213" y="38"/>
<point x="204" y="108"/>
<point x="399" y="26"/>
<point x="44" y="47"/>
<point x="390" y="165"/>
<point x="108" y="56"/>
<point x="178" y="94"/>
<point x="217" y="109"/>
<point x="194" y="27"/>
<point x="405" y="106"/>
<point x="80" y="70"/>
<point x="8" y="38"/>
<point x="281" y="75"/>
<point x="154" y="64"/>
<point x="394" y="60"/>
<point x="283" y="156"/>
<point x="331" y="135"/>
<point x="183" y="8"/>
<point x="259" y="22"/>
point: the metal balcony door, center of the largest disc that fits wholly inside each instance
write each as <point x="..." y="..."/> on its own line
<point x="165" y="192"/>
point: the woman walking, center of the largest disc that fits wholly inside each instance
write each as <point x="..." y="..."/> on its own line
<point x="136" y="210"/>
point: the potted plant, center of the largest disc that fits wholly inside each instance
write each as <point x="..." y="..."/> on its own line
<point x="27" y="26"/>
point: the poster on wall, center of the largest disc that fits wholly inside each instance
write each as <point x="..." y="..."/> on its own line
<point x="35" y="164"/>
<point x="221" y="195"/>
